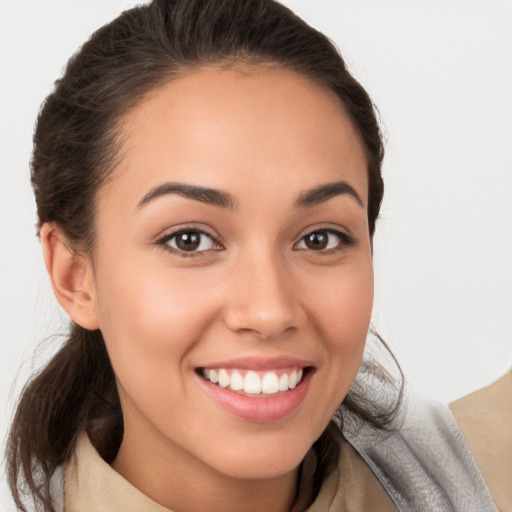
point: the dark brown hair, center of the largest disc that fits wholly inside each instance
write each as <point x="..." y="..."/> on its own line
<point x="76" y="143"/>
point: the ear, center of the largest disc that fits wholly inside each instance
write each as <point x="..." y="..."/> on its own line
<point x="71" y="277"/>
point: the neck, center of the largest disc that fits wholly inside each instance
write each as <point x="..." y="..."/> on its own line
<point x="186" y="484"/>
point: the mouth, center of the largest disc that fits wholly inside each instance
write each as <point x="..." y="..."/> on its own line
<point x="254" y="383"/>
<point x="261" y="395"/>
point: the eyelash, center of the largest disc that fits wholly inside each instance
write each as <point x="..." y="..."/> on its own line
<point x="345" y="241"/>
<point x="165" y="239"/>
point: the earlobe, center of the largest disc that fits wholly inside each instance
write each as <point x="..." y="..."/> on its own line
<point x="71" y="277"/>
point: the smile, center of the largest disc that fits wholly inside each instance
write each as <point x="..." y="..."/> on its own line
<point x="259" y="391"/>
<point x="254" y="383"/>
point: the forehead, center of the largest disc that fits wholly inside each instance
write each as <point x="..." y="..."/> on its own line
<point x="240" y="126"/>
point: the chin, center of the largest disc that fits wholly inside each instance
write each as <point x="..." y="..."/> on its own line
<point x="262" y="459"/>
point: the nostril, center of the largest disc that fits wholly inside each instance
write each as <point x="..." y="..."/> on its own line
<point x="266" y="324"/>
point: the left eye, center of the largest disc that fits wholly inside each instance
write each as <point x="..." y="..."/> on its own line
<point x="321" y="241"/>
<point x="190" y="241"/>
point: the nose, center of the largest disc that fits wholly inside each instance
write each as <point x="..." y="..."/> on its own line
<point x="262" y="298"/>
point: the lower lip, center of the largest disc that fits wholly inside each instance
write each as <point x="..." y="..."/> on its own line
<point x="260" y="410"/>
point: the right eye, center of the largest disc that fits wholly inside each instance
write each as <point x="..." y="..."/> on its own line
<point x="189" y="241"/>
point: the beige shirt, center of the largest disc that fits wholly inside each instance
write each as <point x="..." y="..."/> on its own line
<point x="91" y="485"/>
<point x="485" y="417"/>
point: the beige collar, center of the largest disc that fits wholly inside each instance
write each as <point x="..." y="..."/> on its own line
<point x="91" y="485"/>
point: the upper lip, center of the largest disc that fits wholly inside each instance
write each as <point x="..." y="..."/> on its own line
<point x="260" y="363"/>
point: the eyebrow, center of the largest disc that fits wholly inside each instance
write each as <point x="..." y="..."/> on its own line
<point x="325" y="192"/>
<point x="225" y="200"/>
<point x="202" y="194"/>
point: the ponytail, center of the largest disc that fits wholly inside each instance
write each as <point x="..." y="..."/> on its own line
<point x="77" y="144"/>
<point x="75" y="391"/>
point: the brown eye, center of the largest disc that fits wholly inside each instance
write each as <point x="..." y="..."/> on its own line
<point x="325" y="240"/>
<point x="190" y="241"/>
<point x="317" y="241"/>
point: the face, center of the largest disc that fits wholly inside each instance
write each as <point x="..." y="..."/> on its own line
<point x="232" y="270"/>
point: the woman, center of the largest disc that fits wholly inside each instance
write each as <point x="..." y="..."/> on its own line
<point x="207" y="176"/>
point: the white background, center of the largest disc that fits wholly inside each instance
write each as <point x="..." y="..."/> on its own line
<point x="440" y="73"/>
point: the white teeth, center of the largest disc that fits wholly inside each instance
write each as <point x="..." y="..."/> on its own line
<point x="224" y="379"/>
<point x="237" y="382"/>
<point x="270" y="384"/>
<point x="253" y="383"/>
<point x="292" y="379"/>
<point x="283" y="382"/>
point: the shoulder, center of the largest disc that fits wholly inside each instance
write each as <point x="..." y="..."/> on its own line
<point x="485" y="418"/>
<point x="91" y="484"/>
<point x="351" y="485"/>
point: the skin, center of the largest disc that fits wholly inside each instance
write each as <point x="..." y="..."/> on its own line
<point x="265" y="136"/>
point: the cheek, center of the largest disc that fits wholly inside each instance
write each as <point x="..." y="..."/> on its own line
<point x="151" y="322"/>
<point x="143" y="294"/>
<point x="343" y="303"/>
<point x="342" y="314"/>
